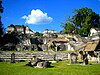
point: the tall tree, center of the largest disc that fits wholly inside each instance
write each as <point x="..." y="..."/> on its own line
<point x="68" y="27"/>
<point x="84" y="19"/>
<point x="1" y="25"/>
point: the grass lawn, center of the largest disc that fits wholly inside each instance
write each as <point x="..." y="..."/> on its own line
<point x="60" y="68"/>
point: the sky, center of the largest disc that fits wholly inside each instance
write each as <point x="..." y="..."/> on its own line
<point x="43" y="14"/>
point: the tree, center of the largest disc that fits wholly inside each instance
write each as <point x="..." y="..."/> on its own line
<point x="12" y="37"/>
<point x="68" y="27"/>
<point x="38" y="34"/>
<point x="1" y="8"/>
<point x="1" y="25"/>
<point x="83" y="20"/>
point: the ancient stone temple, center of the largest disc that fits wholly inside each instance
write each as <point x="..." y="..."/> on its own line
<point x="93" y="50"/>
<point x="18" y="37"/>
<point x="57" y="42"/>
<point x="20" y="29"/>
<point x="95" y="33"/>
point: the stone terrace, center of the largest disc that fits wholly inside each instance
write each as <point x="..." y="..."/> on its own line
<point x="26" y="56"/>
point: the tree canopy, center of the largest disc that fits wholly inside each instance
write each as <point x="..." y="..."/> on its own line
<point x="82" y="21"/>
<point x="1" y="25"/>
<point x="38" y="34"/>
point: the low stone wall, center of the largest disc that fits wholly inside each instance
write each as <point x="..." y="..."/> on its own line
<point x="26" y="56"/>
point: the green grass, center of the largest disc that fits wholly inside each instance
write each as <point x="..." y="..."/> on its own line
<point x="60" y="68"/>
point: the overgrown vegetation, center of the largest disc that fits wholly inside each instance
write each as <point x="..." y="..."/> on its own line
<point x="82" y="21"/>
<point x="60" y="68"/>
<point x="1" y="25"/>
<point x="38" y="34"/>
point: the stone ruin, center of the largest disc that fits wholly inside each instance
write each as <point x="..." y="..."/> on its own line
<point x="38" y="63"/>
<point x="85" y="58"/>
<point x="23" y="38"/>
<point x="73" y="58"/>
<point x="13" y="58"/>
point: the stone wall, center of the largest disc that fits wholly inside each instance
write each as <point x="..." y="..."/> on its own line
<point x="26" y="56"/>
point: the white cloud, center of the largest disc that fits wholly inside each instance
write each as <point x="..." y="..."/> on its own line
<point x="37" y="17"/>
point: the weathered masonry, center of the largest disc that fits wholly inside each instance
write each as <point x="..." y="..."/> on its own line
<point x="27" y="56"/>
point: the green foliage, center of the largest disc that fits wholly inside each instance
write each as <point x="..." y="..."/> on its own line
<point x="38" y="34"/>
<point x="1" y="28"/>
<point x="60" y="68"/>
<point x="1" y="25"/>
<point x="1" y="8"/>
<point x="12" y="37"/>
<point x="83" y="20"/>
<point x="69" y="28"/>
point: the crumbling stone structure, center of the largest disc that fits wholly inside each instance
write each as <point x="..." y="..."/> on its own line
<point x="22" y="38"/>
<point x="38" y="63"/>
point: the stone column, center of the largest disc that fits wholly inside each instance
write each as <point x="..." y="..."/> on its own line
<point x="98" y="57"/>
<point x="13" y="58"/>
